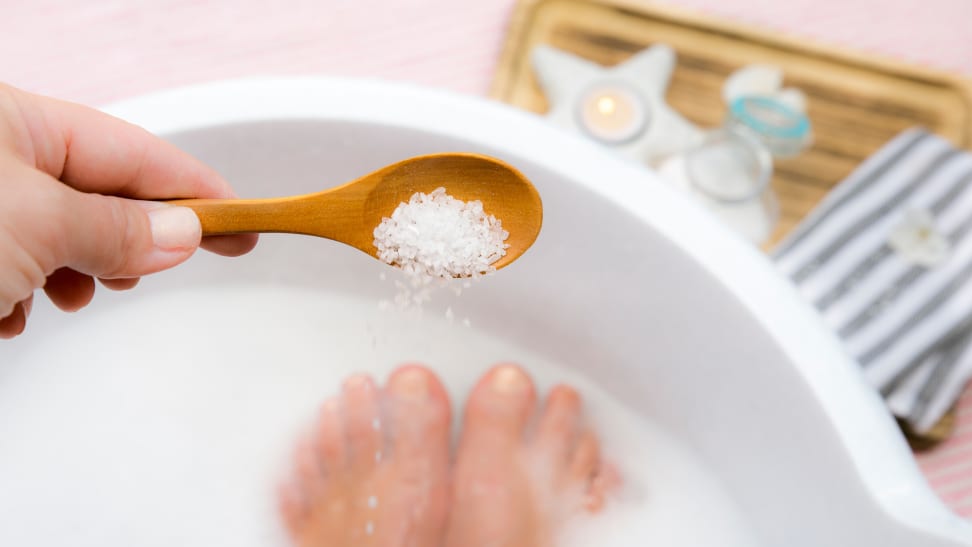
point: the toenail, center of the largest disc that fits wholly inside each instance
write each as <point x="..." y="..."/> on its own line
<point x="357" y="381"/>
<point x="566" y="393"/>
<point x="413" y="384"/>
<point x="510" y="380"/>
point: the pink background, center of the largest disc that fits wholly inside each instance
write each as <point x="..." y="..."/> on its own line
<point x="98" y="51"/>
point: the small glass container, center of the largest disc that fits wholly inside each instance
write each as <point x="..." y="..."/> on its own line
<point x="730" y="172"/>
<point x="731" y="169"/>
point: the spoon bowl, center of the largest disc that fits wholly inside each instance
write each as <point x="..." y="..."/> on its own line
<point x="349" y="213"/>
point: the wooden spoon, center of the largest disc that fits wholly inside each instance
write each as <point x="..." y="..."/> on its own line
<point x="349" y="213"/>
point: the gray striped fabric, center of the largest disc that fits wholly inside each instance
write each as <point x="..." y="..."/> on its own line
<point x="865" y="259"/>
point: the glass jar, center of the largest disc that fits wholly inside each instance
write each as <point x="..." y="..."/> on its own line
<point x="729" y="174"/>
<point x="731" y="169"/>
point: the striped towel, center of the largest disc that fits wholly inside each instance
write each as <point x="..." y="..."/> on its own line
<point x="887" y="260"/>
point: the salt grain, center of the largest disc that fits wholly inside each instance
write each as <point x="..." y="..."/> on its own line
<point x="439" y="236"/>
<point x="434" y="238"/>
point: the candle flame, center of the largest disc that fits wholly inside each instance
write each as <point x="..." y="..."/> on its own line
<point x="606" y="105"/>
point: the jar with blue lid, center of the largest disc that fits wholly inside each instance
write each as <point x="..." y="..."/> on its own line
<point x="731" y="169"/>
<point x="784" y="130"/>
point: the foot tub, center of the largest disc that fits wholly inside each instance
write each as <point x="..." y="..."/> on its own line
<point x="163" y="416"/>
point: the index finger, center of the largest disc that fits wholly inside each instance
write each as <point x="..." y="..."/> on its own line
<point x="97" y="153"/>
<point x="94" y="152"/>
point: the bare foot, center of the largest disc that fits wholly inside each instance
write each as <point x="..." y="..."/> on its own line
<point x="514" y="481"/>
<point x="375" y="469"/>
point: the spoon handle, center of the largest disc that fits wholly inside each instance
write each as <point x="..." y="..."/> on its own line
<point x="237" y="216"/>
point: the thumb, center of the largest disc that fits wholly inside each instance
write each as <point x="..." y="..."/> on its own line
<point x="111" y="237"/>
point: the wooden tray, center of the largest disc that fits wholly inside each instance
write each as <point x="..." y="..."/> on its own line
<point x="855" y="103"/>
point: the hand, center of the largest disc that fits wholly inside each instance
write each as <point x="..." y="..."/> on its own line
<point x="72" y="185"/>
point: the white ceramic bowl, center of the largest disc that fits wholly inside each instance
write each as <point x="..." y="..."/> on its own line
<point x="628" y="285"/>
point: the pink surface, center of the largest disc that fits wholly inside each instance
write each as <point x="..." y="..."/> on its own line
<point x="936" y="33"/>
<point x="95" y="52"/>
<point x="949" y="467"/>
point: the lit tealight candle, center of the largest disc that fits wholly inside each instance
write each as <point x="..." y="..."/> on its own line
<point x="612" y="113"/>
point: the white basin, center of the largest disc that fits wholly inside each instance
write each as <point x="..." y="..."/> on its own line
<point x="629" y="287"/>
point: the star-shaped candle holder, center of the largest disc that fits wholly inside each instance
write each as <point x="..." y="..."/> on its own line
<point x="622" y="107"/>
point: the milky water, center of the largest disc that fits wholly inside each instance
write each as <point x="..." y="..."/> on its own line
<point x="169" y="420"/>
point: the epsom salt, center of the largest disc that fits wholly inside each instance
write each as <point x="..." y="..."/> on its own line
<point x="435" y="238"/>
<point x="439" y="236"/>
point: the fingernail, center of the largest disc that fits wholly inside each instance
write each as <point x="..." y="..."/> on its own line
<point x="510" y="380"/>
<point x="175" y="228"/>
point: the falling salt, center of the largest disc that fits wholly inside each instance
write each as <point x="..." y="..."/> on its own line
<point x="377" y="456"/>
<point x="372" y="502"/>
<point x="370" y="528"/>
<point x="376" y="424"/>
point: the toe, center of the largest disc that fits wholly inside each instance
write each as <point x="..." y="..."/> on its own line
<point x="307" y="465"/>
<point x="307" y="485"/>
<point x="419" y="417"/>
<point x="419" y="413"/>
<point x="362" y="421"/>
<point x="500" y="406"/>
<point x="606" y="479"/>
<point x="329" y="437"/>
<point x="590" y="475"/>
<point x="293" y="509"/>
<point x="586" y="459"/>
<point x="559" y="425"/>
